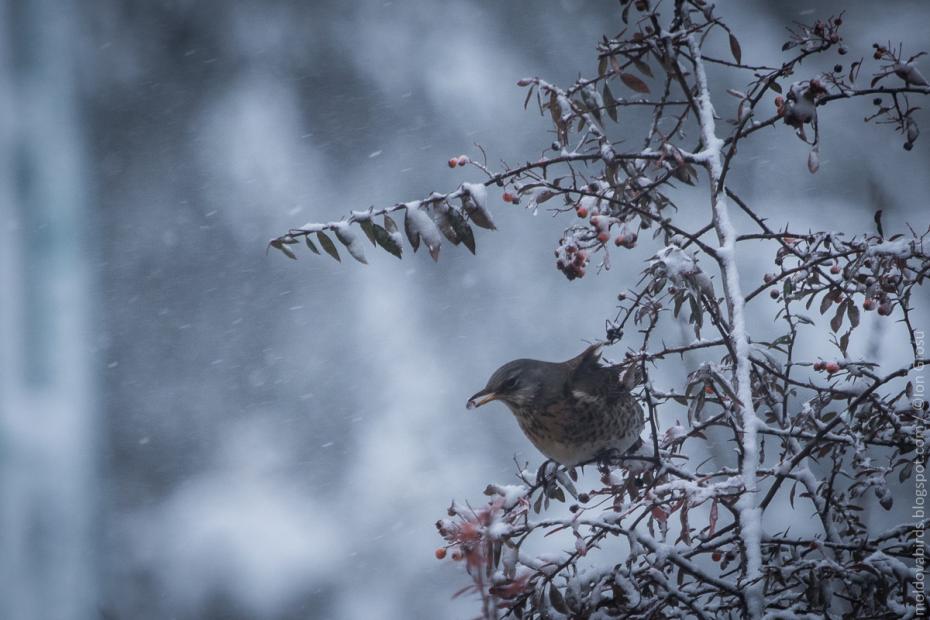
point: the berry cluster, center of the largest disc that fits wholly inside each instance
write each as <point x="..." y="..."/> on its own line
<point x="461" y="160"/>
<point x="570" y="259"/>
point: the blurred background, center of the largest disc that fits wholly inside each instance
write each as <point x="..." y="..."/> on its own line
<point x="190" y="428"/>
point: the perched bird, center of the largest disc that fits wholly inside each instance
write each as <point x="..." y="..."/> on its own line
<point x="573" y="411"/>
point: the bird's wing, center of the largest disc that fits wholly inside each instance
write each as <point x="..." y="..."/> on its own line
<point x="591" y="382"/>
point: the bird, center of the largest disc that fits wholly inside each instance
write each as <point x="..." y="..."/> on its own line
<point x="574" y="412"/>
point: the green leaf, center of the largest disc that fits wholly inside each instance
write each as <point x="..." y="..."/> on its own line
<point x="610" y="103"/>
<point x="390" y="225"/>
<point x="642" y="67"/>
<point x="328" y="246"/>
<point x="368" y="227"/>
<point x="852" y="311"/>
<point x="462" y="229"/>
<point x="386" y="240"/>
<point x="558" y="602"/>
<point x="837" y="321"/>
<point x="311" y="245"/>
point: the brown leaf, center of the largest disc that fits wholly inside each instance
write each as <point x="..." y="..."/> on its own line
<point x="735" y="49"/>
<point x="634" y="83"/>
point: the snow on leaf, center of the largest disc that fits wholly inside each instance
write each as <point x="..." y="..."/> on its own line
<point x="420" y="227"/>
<point x="475" y="201"/>
<point x="389" y="241"/>
<point x="350" y="240"/>
<point x="813" y="160"/>
<point x="280" y="245"/>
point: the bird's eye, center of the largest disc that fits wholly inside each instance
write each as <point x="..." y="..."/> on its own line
<point x="510" y="383"/>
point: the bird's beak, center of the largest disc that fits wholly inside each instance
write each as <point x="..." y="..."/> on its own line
<point x="481" y="398"/>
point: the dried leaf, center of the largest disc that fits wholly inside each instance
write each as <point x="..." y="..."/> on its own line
<point x="735" y="49"/>
<point x="311" y="245"/>
<point x="280" y="245"/>
<point x="328" y="246"/>
<point x="634" y="83"/>
<point x="813" y="160"/>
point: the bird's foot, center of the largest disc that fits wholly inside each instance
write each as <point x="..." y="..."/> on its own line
<point x="605" y="459"/>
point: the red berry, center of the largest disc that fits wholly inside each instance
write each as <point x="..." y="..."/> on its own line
<point x="773" y="294"/>
<point x="582" y="212"/>
<point x="868" y="304"/>
<point x="508" y="197"/>
<point x="835" y="269"/>
<point x="768" y="278"/>
<point x="453" y="162"/>
<point x="603" y="237"/>
<point x="441" y="553"/>
<point x="456" y="555"/>
<point x="463" y="160"/>
<point x="570" y="249"/>
<point x="818" y="366"/>
<point x="885" y="309"/>
<point x="831" y="367"/>
<point x="620" y="240"/>
<point x="716" y="556"/>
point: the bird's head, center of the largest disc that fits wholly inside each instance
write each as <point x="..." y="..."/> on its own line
<point x="515" y="383"/>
